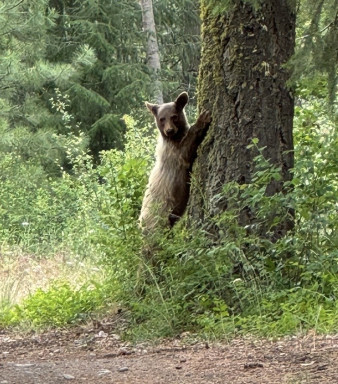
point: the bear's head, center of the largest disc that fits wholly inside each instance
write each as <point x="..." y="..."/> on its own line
<point x="170" y="117"/>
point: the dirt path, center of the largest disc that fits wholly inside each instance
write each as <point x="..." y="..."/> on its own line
<point x="97" y="356"/>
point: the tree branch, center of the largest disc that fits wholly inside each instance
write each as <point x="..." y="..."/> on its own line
<point x="14" y="6"/>
<point x="321" y="31"/>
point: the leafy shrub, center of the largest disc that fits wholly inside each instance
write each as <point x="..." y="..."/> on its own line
<point x="248" y="282"/>
<point x="244" y="283"/>
<point x="123" y="176"/>
<point x="58" y="306"/>
<point x="91" y="211"/>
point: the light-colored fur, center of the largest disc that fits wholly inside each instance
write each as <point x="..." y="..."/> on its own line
<point x="168" y="181"/>
<point x="167" y="192"/>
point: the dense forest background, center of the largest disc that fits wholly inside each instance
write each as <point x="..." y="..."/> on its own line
<point x="76" y="146"/>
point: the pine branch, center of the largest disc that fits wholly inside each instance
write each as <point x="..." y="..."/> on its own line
<point x="321" y="31"/>
<point x="14" y="6"/>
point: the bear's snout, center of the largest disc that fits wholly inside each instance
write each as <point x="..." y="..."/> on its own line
<point x="170" y="131"/>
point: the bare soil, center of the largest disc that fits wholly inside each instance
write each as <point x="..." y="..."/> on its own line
<point x="97" y="355"/>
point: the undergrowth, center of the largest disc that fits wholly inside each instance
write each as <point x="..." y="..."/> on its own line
<point x="58" y="306"/>
<point x="246" y="282"/>
<point x="243" y="283"/>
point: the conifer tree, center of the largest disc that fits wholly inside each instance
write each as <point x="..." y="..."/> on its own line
<point x="117" y="80"/>
<point x="28" y="125"/>
<point x="243" y="81"/>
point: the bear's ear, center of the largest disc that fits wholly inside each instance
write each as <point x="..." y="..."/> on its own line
<point x="181" y="101"/>
<point x="153" y="108"/>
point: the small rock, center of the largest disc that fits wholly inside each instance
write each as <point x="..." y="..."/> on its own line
<point x="109" y="356"/>
<point x="124" y="351"/>
<point x="103" y="372"/>
<point x="322" y="367"/>
<point x="115" y="336"/>
<point x="68" y="377"/>
<point x="308" y="364"/>
<point x="123" y="369"/>
<point x="253" y="365"/>
<point x="102" y="334"/>
<point x="27" y="365"/>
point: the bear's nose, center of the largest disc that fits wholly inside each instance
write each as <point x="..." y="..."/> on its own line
<point x="170" y="131"/>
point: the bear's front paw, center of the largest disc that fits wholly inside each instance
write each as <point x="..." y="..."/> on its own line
<point x="204" y="118"/>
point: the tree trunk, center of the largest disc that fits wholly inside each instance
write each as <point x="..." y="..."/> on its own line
<point x="243" y="81"/>
<point x="153" y="56"/>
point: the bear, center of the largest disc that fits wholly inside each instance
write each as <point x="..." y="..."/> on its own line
<point x="168" y="188"/>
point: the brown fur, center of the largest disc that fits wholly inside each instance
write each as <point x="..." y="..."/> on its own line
<point x="168" y="188"/>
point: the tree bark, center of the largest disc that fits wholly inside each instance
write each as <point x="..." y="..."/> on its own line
<point x="153" y="56"/>
<point x="243" y="82"/>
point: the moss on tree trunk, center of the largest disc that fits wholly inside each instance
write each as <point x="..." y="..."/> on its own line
<point x="243" y="81"/>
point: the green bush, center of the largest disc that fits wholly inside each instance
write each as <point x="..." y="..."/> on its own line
<point x="244" y="283"/>
<point x="90" y="212"/>
<point x="58" y="306"/>
<point x="247" y="282"/>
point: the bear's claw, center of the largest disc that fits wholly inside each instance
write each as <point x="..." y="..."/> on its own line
<point x="205" y="117"/>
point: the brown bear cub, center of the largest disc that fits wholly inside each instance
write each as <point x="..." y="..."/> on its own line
<point x="168" y="188"/>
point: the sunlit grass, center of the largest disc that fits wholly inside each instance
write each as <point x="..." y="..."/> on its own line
<point x="21" y="274"/>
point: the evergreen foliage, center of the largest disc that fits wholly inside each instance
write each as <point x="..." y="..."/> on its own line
<point x="117" y="79"/>
<point x="178" y="27"/>
<point x="28" y="81"/>
<point x="94" y="52"/>
<point x="69" y="70"/>
<point x="316" y="58"/>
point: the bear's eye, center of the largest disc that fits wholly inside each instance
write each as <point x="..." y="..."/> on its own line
<point x="162" y="119"/>
<point x="174" y="118"/>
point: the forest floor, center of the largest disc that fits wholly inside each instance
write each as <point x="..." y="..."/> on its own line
<point x="97" y="355"/>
